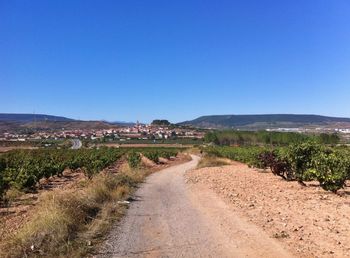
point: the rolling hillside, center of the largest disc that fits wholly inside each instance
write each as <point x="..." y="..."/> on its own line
<point x="24" y="122"/>
<point x="25" y="118"/>
<point x="263" y="121"/>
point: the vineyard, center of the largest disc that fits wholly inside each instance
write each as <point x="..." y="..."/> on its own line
<point x="303" y="162"/>
<point x="23" y="169"/>
<point x="264" y="138"/>
<point x="153" y="154"/>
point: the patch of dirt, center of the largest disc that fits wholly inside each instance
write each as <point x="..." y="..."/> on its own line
<point x="16" y="213"/>
<point x="163" y="160"/>
<point x="170" y="219"/>
<point x="147" y="162"/>
<point x="9" y="148"/>
<point x="179" y="159"/>
<point x="308" y="220"/>
<point x="164" y="163"/>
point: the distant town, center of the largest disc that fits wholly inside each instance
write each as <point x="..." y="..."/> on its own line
<point x="138" y="132"/>
<point x="134" y="132"/>
<point x="28" y="128"/>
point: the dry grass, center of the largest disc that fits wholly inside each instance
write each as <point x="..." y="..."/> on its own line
<point x="12" y="194"/>
<point x="209" y="161"/>
<point x="194" y="150"/>
<point x="72" y="222"/>
<point x="68" y="223"/>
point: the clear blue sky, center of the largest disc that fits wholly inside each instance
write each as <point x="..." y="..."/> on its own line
<point x="138" y="60"/>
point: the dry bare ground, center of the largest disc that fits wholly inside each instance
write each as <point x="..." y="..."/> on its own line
<point x="308" y="221"/>
<point x="169" y="219"/>
<point x="5" y="149"/>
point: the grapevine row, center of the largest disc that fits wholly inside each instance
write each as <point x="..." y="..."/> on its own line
<point x="23" y="169"/>
<point x="307" y="161"/>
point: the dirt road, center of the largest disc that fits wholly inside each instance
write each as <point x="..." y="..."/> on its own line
<point x="170" y="219"/>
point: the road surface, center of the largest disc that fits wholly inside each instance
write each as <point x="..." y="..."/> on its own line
<point x="171" y="219"/>
<point x="76" y="144"/>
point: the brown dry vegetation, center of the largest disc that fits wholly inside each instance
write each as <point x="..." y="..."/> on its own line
<point x="60" y="216"/>
<point x="210" y="161"/>
<point x="9" y="148"/>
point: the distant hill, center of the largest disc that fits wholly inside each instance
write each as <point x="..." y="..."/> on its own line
<point x="263" y="121"/>
<point x="25" y="122"/>
<point x="69" y="125"/>
<point x="122" y="123"/>
<point x="25" y="118"/>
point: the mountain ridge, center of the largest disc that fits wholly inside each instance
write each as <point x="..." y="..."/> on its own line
<point x="30" y="118"/>
<point x="15" y="122"/>
<point x="26" y="117"/>
<point x="263" y="120"/>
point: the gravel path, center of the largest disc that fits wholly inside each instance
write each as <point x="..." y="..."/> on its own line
<point x="171" y="219"/>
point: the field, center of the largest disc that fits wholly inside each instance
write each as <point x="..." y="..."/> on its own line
<point x="307" y="220"/>
<point x="150" y="142"/>
<point x="33" y="144"/>
<point x="291" y="188"/>
<point x="50" y="183"/>
<point x="301" y="162"/>
<point x="298" y="193"/>
<point x="145" y="145"/>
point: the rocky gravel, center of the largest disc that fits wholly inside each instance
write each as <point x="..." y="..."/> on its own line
<point x="308" y="221"/>
<point x="169" y="218"/>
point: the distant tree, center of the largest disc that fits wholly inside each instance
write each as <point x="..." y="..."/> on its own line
<point x="173" y="135"/>
<point x="160" y="122"/>
<point x="211" y="137"/>
<point x="252" y="138"/>
<point x="329" y="138"/>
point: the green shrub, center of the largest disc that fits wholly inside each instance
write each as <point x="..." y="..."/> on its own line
<point x="300" y="157"/>
<point x="248" y="155"/>
<point x="277" y="163"/>
<point x="167" y="153"/>
<point x="303" y="162"/>
<point x="152" y="155"/>
<point x="24" y="168"/>
<point x="330" y="170"/>
<point x="2" y="181"/>
<point x="134" y="159"/>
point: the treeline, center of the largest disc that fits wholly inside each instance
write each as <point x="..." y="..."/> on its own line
<point x="307" y="161"/>
<point x="160" y="122"/>
<point x="250" y="138"/>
